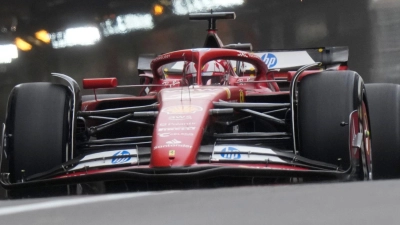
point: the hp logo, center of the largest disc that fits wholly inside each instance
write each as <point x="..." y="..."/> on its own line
<point x="230" y="153"/>
<point x="121" y="157"/>
<point x="269" y="59"/>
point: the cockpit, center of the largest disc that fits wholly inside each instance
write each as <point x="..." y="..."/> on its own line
<point x="215" y="72"/>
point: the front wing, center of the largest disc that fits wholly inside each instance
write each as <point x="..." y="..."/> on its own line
<point x="212" y="161"/>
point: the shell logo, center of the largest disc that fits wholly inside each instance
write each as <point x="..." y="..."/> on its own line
<point x="182" y="109"/>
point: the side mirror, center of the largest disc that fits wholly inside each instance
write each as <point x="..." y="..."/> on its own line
<point x="95" y="83"/>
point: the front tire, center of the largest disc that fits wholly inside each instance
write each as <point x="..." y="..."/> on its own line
<point x="37" y="125"/>
<point x="326" y="102"/>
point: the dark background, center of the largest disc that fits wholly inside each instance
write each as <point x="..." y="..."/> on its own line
<point x="370" y="28"/>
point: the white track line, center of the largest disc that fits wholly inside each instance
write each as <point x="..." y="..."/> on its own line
<point x="72" y="202"/>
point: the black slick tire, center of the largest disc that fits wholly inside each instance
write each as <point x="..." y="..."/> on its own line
<point x="384" y="107"/>
<point x="326" y="101"/>
<point x="37" y="128"/>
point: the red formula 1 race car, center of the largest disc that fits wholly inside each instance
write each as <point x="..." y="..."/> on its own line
<point x="211" y="115"/>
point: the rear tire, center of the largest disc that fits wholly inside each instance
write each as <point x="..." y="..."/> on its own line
<point x="384" y="107"/>
<point x="37" y="126"/>
<point x="326" y="101"/>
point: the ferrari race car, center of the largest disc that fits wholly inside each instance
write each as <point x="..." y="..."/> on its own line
<point x="220" y="114"/>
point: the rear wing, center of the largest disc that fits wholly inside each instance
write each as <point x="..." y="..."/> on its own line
<point x="283" y="60"/>
<point x="293" y="59"/>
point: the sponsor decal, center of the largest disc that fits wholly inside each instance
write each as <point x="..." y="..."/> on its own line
<point x="241" y="96"/>
<point x="176" y="128"/>
<point x="230" y="153"/>
<point x="242" y="54"/>
<point x="121" y="157"/>
<point x="107" y="158"/>
<point x="102" y="155"/>
<point x="269" y="59"/>
<point x="172" y="83"/>
<point x="160" y="57"/>
<point x="173" y="141"/>
<point x="242" y="81"/>
<point x="171" y="153"/>
<point x="178" y="124"/>
<point x="285" y="59"/>
<point x="182" y="109"/>
<point x="172" y="146"/>
<point x="245" y="79"/>
<point x="244" y="153"/>
<point x="174" y="134"/>
<point x="180" y="118"/>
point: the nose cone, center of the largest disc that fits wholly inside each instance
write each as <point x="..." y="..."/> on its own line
<point x="180" y="124"/>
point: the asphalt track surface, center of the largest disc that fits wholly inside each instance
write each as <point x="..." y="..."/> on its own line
<point x="375" y="202"/>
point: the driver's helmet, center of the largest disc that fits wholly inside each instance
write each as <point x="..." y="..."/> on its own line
<point x="213" y="72"/>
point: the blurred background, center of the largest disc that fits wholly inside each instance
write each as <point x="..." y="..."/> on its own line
<point x="103" y="38"/>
